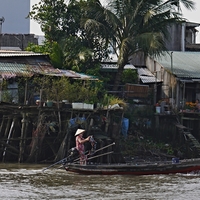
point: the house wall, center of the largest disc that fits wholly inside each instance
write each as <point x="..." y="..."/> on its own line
<point x="169" y="82"/>
<point x="174" y="88"/>
<point x="174" y="43"/>
<point x="137" y="59"/>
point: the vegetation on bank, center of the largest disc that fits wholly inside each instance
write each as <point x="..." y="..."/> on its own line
<point x="80" y="34"/>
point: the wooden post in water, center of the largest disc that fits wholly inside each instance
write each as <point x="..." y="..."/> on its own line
<point x="2" y="126"/>
<point x="9" y="135"/>
<point x="107" y="121"/>
<point x="63" y="147"/>
<point x="8" y="125"/>
<point x="21" y="145"/>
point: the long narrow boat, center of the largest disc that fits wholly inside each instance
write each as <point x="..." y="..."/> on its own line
<point x="169" y="167"/>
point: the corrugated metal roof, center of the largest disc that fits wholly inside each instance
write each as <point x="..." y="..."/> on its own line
<point x="144" y="71"/>
<point x="86" y="77"/>
<point x="147" y="79"/>
<point x="12" y="70"/>
<point x="69" y="73"/>
<point x="113" y="67"/>
<point x="184" y="64"/>
<point x="10" y="53"/>
<point x="146" y="76"/>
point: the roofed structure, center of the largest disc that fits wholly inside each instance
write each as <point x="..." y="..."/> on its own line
<point x="24" y="63"/>
<point x="182" y="64"/>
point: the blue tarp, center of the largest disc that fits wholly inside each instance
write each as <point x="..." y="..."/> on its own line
<point x="125" y="126"/>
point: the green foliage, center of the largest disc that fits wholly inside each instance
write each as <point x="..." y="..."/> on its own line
<point x="6" y="96"/>
<point x="132" y="26"/>
<point x="52" y="17"/>
<point x="129" y="76"/>
<point x="76" y="54"/>
<point x="53" y="49"/>
<point x="62" y="23"/>
<point x="38" y="48"/>
<point x="60" y="88"/>
<point x="4" y="84"/>
<point x="88" y="29"/>
<point x="57" y="56"/>
<point x="84" y="92"/>
<point x="53" y="88"/>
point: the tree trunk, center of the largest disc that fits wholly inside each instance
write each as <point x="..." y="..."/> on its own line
<point x="118" y="77"/>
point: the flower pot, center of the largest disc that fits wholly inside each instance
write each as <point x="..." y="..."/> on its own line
<point x="88" y="106"/>
<point x="77" y="106"/>
<point x="49" y="103"/>
<point x="158" y="108"/>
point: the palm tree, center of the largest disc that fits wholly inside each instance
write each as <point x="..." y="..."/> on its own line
<point x="132" y="26"/>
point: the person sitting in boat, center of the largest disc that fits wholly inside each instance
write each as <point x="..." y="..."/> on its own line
<point x="80" y="145"/>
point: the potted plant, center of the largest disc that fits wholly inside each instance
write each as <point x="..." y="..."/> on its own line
<point x="85" y="96"/>
<point x="111" y="101"/>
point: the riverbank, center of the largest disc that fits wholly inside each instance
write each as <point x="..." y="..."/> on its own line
<point x="32" y="134"/>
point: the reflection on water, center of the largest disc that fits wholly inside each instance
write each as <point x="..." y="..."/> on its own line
<point x="30" y="182"/>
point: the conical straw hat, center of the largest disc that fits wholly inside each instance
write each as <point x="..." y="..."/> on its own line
<point x="79" y="131"/>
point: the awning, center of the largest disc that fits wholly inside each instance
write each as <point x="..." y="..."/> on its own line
<point x="146" y="76"/>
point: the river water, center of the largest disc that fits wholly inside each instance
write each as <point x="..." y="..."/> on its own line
<point x="18" y="181"/>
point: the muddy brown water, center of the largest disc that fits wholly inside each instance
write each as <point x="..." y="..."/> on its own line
<point x="24" y="182"/>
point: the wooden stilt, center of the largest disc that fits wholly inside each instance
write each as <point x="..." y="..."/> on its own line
<point x="107" y="121"/>
<point x="21" y="145"/>
<point x="8" y="125"/>
<point x="2" y="127"/>
<point x="9" y="135"/>
<point x="63" y="147"/>
<point x="37" y="139"/>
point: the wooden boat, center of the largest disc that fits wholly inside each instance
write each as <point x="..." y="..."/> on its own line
<point x="169" y="167"/>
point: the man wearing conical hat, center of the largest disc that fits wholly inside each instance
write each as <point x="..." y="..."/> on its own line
<point x="80" y="145"/>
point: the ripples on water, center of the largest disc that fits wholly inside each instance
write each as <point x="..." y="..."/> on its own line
<point x="29" y="182"/>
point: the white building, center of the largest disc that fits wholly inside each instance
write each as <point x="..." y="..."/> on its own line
<point x="13" y="18"/>
<point x="15" y="13"/>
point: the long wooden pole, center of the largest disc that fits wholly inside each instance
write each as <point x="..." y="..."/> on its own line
<point x="100" y="155"/>
<point x="97" y="150"/>
<point x="105" y="147"/>
<point x="103" y="154"/>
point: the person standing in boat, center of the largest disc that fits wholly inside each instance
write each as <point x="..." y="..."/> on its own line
<point x="80" y="145"/>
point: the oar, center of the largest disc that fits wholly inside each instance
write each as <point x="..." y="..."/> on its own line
<point x="97" y="150"/>
<point x="64" y="159"/>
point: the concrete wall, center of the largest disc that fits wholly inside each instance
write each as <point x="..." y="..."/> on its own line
<point x="17" y="41"/>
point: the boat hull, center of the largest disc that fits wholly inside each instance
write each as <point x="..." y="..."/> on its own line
<point x="184" y="166"/>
